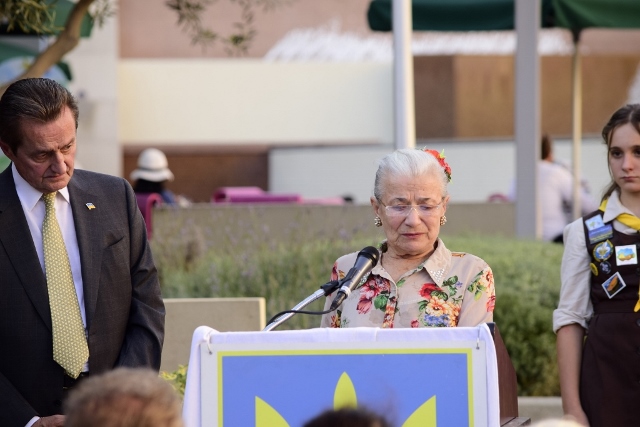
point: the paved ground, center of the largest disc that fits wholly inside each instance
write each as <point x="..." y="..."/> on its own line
<point x="539" y="408"/>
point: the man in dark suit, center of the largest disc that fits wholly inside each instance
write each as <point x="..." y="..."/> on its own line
<point x="113" y="273"/>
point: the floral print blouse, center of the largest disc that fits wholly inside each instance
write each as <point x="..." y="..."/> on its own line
<point x="448" y="289"/>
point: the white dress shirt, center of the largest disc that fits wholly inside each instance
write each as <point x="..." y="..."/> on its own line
<point x="34" y="210"/>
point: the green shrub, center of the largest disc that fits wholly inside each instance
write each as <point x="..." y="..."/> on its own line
<point x="527" y="276"/>
<point x="284" y="276"/>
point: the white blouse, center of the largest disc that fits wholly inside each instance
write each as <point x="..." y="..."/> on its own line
<point x="448" y="289"/>
<point x="575" y="274"/>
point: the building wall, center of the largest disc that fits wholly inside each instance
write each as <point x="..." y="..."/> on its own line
<point x="322" y="125"/>
<point x="472" y="96"/>
<point x="217" y="132"/>
<point x="209" y="102"/>
<point x="252" y="102"/>
<point x="94" y="66"/>
<point x="325" y="125"/>
<point x="200" y="170"/>
<point x="149" y="28"/>
<point x="480" y="168"/>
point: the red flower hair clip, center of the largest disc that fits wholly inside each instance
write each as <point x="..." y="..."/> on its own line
<point x="441" y="160"/>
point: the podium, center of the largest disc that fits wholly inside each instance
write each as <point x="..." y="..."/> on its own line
<point x="442" y="377"/>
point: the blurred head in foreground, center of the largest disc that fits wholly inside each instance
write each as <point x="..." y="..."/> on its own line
<point x="124" y="397"/>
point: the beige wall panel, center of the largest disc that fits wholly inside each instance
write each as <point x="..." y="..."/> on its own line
<point x="555" y="95"/>
<point x="247" y="102"/>
<point x="607" y="41"/>
<point x="94" y="63"/>
<point x="483" y="96"/>
<point x="184" y="315"/>
<point x="481" y="91"/>
<point x="434" y="88"/>
<point x="606" y="82"/>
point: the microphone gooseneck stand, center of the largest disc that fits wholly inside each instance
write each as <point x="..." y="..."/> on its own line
<point x="325" y="290"/>
<point x="367" y="259"/>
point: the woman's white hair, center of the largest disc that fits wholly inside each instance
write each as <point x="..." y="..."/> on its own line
<point x="408" y="162"/>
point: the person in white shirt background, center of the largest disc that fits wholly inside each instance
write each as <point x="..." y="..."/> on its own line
<point x="555" y="194"/>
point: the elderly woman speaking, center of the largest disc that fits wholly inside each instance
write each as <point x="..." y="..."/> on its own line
<point x="418" y="281"/>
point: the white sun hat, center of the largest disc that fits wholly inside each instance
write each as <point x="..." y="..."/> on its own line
<point x="152" y="166"/>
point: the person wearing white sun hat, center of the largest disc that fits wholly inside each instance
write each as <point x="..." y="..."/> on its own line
<point x="152" y="173"/>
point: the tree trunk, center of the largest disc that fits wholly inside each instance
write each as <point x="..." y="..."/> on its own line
<point x="66" y="41"/>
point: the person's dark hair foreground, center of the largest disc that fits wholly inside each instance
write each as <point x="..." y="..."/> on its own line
<point x="347" y="417"/>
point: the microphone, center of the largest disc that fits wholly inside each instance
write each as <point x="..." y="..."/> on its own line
<point x="366" y="260"/>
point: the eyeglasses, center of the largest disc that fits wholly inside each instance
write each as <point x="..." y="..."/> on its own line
<point x="395" y="211"/>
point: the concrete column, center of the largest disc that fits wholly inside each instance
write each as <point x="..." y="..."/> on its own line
<point x="405" y="116"/>
<point x="527" y="118"/>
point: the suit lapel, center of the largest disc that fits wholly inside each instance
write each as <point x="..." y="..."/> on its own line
<point x="15" y="238"/>
<point x="89" y="242"/>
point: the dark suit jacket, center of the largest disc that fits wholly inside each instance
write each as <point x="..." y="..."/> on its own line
<point x="124" y="309"/>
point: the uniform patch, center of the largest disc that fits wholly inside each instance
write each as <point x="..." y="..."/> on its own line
<point x="605" y="267"/>
<point x="613" y="285"/>
<point x="626" y="255"/>
<point x="594" y="269"/>
<point x="595" y="222"/>
<point x="603" y="251"/>
<point x="601" y="233"/>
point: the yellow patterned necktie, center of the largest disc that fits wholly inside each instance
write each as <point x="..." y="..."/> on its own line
<point x="631" y="221"/>
<point x="70" y="348"/>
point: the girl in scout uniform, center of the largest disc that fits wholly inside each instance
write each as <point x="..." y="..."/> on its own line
<point x="598" y="318"/>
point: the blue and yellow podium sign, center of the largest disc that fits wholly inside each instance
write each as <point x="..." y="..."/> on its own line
<point x="269" y="384"/>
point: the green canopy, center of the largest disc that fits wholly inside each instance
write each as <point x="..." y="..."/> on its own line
<point x="487" y="15"/>
<point x="581" y="14"/>
<point x="62" y="8"/>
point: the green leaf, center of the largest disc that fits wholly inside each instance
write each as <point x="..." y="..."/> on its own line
<point x="440" y="294"/>
<point x="451" y="281"/>
<point x="380" y="302"/>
